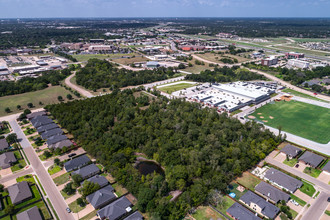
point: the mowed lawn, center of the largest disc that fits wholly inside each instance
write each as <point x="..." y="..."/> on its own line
<point x="86" y="57"/>
<point x="46" y="96"/>
<point x="176" y="87"/>
<point x="305" y="120"/>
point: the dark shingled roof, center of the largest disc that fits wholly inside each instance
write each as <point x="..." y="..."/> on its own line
<point x="19" y="192"/>
<point x="101" y="197"/>
<point x="55" y="139"/>
<point x="312" y="159"/>
<point x="271" y="192"/>
<point x="47" y="127"/>
<point x="115" y="210"/>
<point x="283" y="179"/>
<point x="291" y="150"/>
<point x="50" y="133"/>
<point x="35" y="114"/>
<point x="7" y="159"/>
<point x="101" y="180"/>
<point x="87" y="171"/>
<point x="327" y="167"/>
<point x="61" y="144"/>
<point x="77" y="162"/>
<point x="135" y="216"/>
<point x="3" y="144"/>
<point x="267" y="209"/>
<point x="30" y="214"/>
<point x="41" y="121"/>
<point x="240" y="212"/>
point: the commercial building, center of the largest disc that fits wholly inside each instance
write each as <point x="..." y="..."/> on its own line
<point x="152" y="64"/>
<point x="269" y="61"/>
<point x="294" y="55"/>
<point x="298" y="63"/>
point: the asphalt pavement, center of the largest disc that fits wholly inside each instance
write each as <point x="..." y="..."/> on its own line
<point x="317" y="208"/>
<point x="15" y="175"/>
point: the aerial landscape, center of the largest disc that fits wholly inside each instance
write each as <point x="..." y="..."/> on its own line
<point x="147" y="109"/>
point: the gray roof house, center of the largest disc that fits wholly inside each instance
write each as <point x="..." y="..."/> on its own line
<point x="239" y="212"/>
<point x="77" y="162"/>
<point x="19" y="192"/>
<point x="35" y="114"/>
<point x="61" y="144"/>
<point x="48" y="127"/>
<point x="326" y="167"/>
<point x="30" y="214"/>
<point x="135" y="216"/>
<point x="101" y="180"/>
<point x="50" y="133"/>
<point x="87" y="171"/>
<point x="101" y="197"/>
<point x="55" y="139"/>
<point x="41" y="121"/>
<point x="271" y="193"/>
<point x="7" y="159"/>
<point x="3" y="144"/>
<point x="282" y="180"/>
<point x="311" y="159"/>
<point x="116" y="209"/>
<point x="259" y="205"/>
<point x="291" y="150"/>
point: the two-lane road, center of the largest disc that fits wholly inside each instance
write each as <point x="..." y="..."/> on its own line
<point x="318" y="207"/>
<point x="46" y="181"/>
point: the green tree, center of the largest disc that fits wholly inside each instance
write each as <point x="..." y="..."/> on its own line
<point x="18" y="107"/>
<point x="47" y="154"/>
<point x="9" y="209"/>
<point x="88" y="187"/>
<point x="68" y="189"/>
<point x="7" y="110"/>
<point x="60" y="98"/>
<point x="57" y="161"/>
<point x="30" y="105"/>
<point x="77" y="179"/>
<point x="80" y="202"/>
<point x="11" y="138"/>
<point x="69" y="96"/>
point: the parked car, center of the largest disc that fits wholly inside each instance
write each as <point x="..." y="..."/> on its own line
<point x="72" y="155"/>
<point x="297" y="165"/>
<point x="328" y="199"/>
<point x="68" y="210"/>
<point x="294" y="202"/>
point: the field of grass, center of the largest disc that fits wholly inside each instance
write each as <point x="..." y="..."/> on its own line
<point x="62" y="179"/>
<point x="312" y="172"/>
<point x="86" y="57"/>
<point x="302" y="119"/>
<point x="75" y="207"/>
<point x="214" y="57"/>
<point x="295" y="49"/>
<point x="303" y="95"/>
<point x="54" y="169"/>
<point x="299" y="200"/>
<point x="225" y="205"/>
<point x="248" y="180"/>
<point x="119" y="189"/>
<point x="46" y="96"/>
<point x="291" y="162"/>
<point x="206" y="213"/>
<point x="197" y="68"/>
<point x="127" y="61"/>
<point x="173" y="88"/>
<point x="233" y="189"/>
<point x="28" y="178"/>
<point x="20" y="164"/>
<point x="308" y="189"/>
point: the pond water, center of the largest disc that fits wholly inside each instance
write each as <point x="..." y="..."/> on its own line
<point x="147" y="167"/>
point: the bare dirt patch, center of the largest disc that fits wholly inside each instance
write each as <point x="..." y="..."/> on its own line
<point x="271" y="117"/>
<point x="265" y="121"/>
<point x="262" y="117"/>
<point x="251" y="117"/>
<point x="259" y="113"/>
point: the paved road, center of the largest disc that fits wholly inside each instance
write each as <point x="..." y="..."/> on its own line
<point x="317" y="208"/>
<point x="45" y="179"/>
<point x="16" y="175"/>
<point x="77" y="88"/>
<point x="295" y="172"/>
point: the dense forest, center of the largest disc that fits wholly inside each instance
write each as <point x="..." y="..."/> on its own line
<point x="200" y="149"/>
<point x="29" y="84"/>
<point x="103" y="74"/>
<point x="297" y="77"/>
<point x="224" y="74"/>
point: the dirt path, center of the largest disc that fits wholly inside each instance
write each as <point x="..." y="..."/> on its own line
<point x="77" y="88"/>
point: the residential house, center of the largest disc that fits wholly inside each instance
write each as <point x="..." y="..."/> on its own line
<point x="35" y="114"/>
<point x="87" y="171"/>
<point x="19" y="192"/>
<point x="101" y="180"/>
<point x="291" y="151"/>
<point x="3" y="144"/>
<point x="51" y="133"/>
<point x="7" y="159"/>
<point x="260" y="205"/>
<point x="270" y="192"/>
<point x="55" y="139"/>
<point x="41" y="121"/>
<point x="135" y="216"/>
<point x="116" y="209"/>
<point x="311" y="159"/>
<point x="239" y="212"/>
<point x="101" y="197"/>
<point x="76" y="163"/>
<point x="60" y="144"/>
<point x="282" y="180"/>
<point x="326" y="168"/>
<point x="47" y="127"/>
<point x="30" y="214"/>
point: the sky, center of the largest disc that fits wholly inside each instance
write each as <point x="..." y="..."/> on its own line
<point x="163" y="8"/>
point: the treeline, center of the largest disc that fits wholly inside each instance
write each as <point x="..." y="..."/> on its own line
<point x="67" y="56"/>
<point x="103" y="74"/>
<point x="200" y="149"/>
<point x="224" y="74"/>
<point x="29" y="84"/>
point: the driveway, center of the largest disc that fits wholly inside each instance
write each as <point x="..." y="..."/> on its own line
<point x="294" y="207"/>
<point x="5" y="172"/>
<point x="88" y="209"/>
<point x="324" y="177"/>
<point x="302" y="195"/>
<point x="280" y="157"/>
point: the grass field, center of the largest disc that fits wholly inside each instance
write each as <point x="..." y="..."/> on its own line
<point x="302" y="119"/>
<point x="172" y="88"/>
<point x="297" y="199"/>
<point x="197" y="68"/>
<point x="227" y="203"/>
<point x="312" y="172"/>
<point x="54" y="169"/>
<point x="303" y="95"/>
<point x="206" y="213"/>
<point x="46" y="96"/>
<point x="248" y="180"/>
<point x="308" y="189"/>
<point x="127" y="61"/>
<point x="86" y="57"/>
<point x="216" y="57"/>
<point x="291" y="162"/>
<point x="62" y="179"/>
<point x="75" y="207"/>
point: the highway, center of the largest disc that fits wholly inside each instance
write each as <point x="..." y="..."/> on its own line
<point x="41" y="172"/>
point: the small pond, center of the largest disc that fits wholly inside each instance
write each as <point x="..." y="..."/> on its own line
<point x="147" y="167"/>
